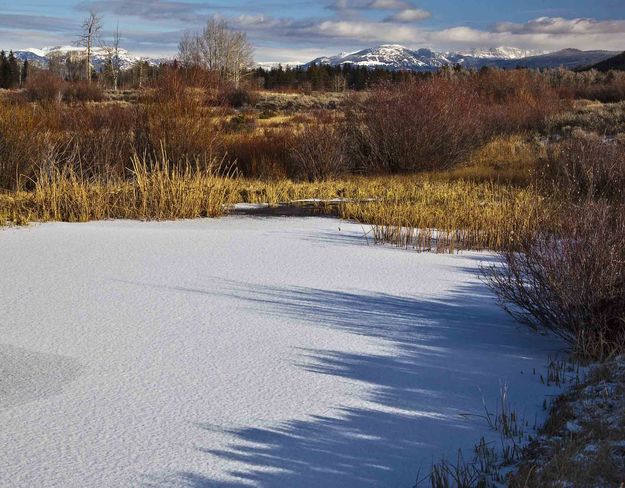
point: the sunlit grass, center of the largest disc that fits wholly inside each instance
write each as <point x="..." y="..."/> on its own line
<point x="419" y="212"/>
<point x="407" y="211"/>
<point x="160" y="192"/>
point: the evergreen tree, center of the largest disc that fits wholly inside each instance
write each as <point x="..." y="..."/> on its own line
<point x="4" y="70"/>
<point x="325" y="77"/>
<point x="25" y="72"/>
<point x="13" y="71"/>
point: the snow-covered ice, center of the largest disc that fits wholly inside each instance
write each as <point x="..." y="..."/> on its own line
<point x="273" y="352"/>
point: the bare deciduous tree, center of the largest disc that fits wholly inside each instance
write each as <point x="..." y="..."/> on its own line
<point x="219" y="49"/>
<point x="189" y="50"/>
<point x="91" y="28"/>
<point x="112" y="53"/>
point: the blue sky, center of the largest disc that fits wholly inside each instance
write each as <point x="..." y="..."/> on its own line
<point x="298" y="30"/>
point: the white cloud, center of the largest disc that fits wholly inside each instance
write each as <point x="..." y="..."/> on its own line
<point x="548" y="33"/>
<point x="352" y="25"/>
<point x="389" y="4"/>
<point x="562" y="26"/>
<point x="369" y="31"/>
<point x="286" y="55"/>
<point x="409" y="15"/>
<point x="460" y="35"/>
<point x="543" y="33"/>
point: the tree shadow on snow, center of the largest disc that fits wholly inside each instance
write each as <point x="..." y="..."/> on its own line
<point x="444" y="352"/>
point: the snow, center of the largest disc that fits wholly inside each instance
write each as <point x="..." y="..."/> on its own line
<point x="502" y="52"/>
<point x="395" y="56"/>
<point x="42" y="53"/>
<point x="234" y="352"/>
<point x="249" y="206"/>
<point x="100" y="55"/>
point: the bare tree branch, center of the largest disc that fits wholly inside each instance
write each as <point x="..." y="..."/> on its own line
<point x="218" y="49"/>
<point x="90" y="35"/>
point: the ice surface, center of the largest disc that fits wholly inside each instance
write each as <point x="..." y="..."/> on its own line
<point x="273" y="352"/>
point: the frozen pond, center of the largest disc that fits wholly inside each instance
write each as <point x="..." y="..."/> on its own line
<point x="272" y="352"/>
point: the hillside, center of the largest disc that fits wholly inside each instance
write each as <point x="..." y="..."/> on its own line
<point x="566" y="58"/>
<point x="616" y="62"/>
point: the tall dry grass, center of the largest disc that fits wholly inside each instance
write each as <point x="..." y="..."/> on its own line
<point x="419" y="212"/>
<point x="451" y="216"/>
<point x="407" y="211"/>
<point x="155" y="191"/>
<point x="511" y="159"/>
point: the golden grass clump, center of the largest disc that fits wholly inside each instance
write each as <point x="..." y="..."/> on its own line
<point x="504" y="159"/>
<point x="407" y="211"/>
<point x="451" y="216"/>
<point x="162" y="191"/>
<point x="420" y="212"/>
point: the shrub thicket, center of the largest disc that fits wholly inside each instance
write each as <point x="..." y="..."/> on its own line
<point x="429" y="123"/>
<point x="434" y="124"/>
<point x="236" y="97"/>
<point x="586" y="167"/>
<point x="568" y="275"/>
<point x="45" y="86"/>
<point x="319" y="152"/>
<point x="570" y="281"/>
<point x="424" y="125"/>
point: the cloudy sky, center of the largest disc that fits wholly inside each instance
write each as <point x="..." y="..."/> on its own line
<point x="298" y="30"/>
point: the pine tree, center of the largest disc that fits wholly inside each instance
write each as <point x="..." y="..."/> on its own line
<point x="13" y="71"/>
<point x="4" y="70"/>
<point x="25" y="72"/>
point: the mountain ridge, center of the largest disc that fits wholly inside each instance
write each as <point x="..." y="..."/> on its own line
<point x="393" y="57"/>
<point x="396" y="57"/>
<point x="614" y="63"/>
<point x="100" y="56"/>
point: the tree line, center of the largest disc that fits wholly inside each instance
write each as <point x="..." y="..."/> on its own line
<point x="330" y="78"/>
<point x="13" y="73"/>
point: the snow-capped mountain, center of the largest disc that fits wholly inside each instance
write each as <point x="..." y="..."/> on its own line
<point x="389" y="56"/>
<point x="396" y="57"/>
<point x="100" y="56"/>
<point x="500" y="53"/>
<point x="566" y="58"/>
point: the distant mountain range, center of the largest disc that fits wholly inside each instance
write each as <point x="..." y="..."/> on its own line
<point x="42" y="57"/>
<point x="387" y="56"/>
<point x="617" y="62"/>
<point x="395" y="57"/>
<point x="566" y="58"/>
